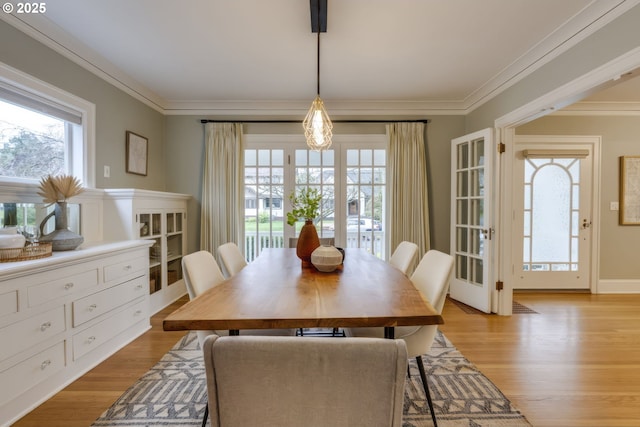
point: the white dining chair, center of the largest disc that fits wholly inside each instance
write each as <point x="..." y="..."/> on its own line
<point x="311" y="382"/>
<point x="201" y="272"/>
<point x="232" y="259"/>
<point x="404" y="257"/>
<point x="431" y="277"/>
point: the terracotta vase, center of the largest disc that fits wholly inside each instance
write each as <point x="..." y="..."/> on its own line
<point x="308" y="241"/>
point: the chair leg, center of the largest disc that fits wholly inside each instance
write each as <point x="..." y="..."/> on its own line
<point x="206" y="415"/>
<point x="423" y="376"/>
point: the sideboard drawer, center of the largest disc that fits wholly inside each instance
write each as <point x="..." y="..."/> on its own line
<point x="28" y="373"/>
<point x="22" y="335"/>
<point x="44" y="292"/>
<point x="92" y="306"/>
<point x="123" y="269"/>
<point x="93" y="337"/>
<point x="8" y="303"/>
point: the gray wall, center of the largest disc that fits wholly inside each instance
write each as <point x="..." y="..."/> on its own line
<point x="116" y="112"/>
<point x="620" y="136"/>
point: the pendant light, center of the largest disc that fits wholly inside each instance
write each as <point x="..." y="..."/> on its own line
<point x="317" y="124"/>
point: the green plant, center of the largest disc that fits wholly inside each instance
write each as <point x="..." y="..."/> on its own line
<point x="306" y="205"/>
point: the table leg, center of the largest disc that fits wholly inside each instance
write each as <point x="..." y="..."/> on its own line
<point x="389" y="332"/>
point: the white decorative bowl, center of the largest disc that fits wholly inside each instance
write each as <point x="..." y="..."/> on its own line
<point x="326" y="258"/>
<point x="9" y="230"/>
<point x="12" y="241"/>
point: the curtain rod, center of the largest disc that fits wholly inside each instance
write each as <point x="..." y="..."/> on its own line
<point x="300" y="121"/>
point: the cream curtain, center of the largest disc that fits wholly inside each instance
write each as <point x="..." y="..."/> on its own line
<point x="407" y="183"/>
<point x="222" y="214"/>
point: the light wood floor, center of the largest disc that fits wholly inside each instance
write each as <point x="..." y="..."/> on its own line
<point x="576" y="363"/>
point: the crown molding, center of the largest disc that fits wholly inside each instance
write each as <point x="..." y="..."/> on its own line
<point x="299" y="109"/>
<point x="593" y="17"/>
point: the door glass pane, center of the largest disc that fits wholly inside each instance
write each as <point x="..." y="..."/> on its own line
<point x="263" y="200"/>
<point x="461" y="239"/>
<point x="478" y="153"/>
<point x="551" y="217"/>
<point x="463" y="156"/>
<point x="317" y="170"/>
<point x="470" y="211"/>
<point x="366" y="195"/>
<point x="463" y="184"/>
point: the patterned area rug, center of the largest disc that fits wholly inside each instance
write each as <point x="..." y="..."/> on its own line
<point x="173" y="393"/>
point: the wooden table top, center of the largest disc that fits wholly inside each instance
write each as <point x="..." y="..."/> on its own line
<point x="275" y="291"/>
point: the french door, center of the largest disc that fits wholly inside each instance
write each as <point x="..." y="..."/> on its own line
<point x="553" y="225"/>
<point x="472" y="232"/>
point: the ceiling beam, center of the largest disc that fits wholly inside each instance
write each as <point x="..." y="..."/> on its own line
<point x="318" y="15"/>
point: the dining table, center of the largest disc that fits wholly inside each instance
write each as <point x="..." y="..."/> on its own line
<point x="276" y="290"/>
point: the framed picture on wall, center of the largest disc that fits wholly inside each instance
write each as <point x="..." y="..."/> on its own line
<point x="137" y="153"/>
<point x="630" y="190"/>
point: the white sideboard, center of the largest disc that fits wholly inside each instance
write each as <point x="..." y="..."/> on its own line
<point x="60" y="316"/>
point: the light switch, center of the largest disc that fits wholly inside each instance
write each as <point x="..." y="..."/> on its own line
<point x="613" y="206"/>
<point x="107" y="171"/>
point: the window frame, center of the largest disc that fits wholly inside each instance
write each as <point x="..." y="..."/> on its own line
<point x="82" y="166"/>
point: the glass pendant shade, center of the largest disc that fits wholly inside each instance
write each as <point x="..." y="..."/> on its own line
<point x="317" y="126"/>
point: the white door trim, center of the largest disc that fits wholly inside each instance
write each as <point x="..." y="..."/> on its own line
<point x="594" y="142"/>
<point x="505" y="132"/>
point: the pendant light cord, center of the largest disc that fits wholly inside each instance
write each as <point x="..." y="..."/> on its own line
<point x="318" y="50"/>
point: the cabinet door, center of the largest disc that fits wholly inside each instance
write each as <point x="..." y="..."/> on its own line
<point x="150" y="226"/>
<point x="175" y="245"/>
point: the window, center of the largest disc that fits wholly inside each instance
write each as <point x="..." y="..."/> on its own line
<point x="43" y="130"/>
<point x="351" y="176"/>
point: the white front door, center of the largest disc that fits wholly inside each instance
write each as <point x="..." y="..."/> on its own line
<point x="552" y="206"/>
<point x="471" y="218"/>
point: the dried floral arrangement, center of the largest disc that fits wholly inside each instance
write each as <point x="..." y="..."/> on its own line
<point x="59" y="188"/>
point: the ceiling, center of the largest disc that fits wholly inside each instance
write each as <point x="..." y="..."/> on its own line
<point x="259" y="57"/>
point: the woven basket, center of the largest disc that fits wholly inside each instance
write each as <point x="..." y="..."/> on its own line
<point x="31" y="251"/>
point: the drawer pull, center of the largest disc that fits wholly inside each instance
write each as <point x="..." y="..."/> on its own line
<point x="68" y="286"/>
<point x="45" y="326"/>
<point x="44" y="364"/>
<point x="127" y="267"/>
<point x="137" y="313"/>
<point x="91" y="339"/>
<point x="139" y="287"/>
<point x="93" y="307"/>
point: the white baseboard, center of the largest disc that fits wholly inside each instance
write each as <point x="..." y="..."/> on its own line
<point x="612" y="286"/>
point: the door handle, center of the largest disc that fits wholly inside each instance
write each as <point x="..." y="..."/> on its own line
<point x="585" y="223"/>
<point x="487" y="233"/>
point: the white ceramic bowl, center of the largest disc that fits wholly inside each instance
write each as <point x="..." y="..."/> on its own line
<point x="326" y="258"/>
<point x="12" y="241"/>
